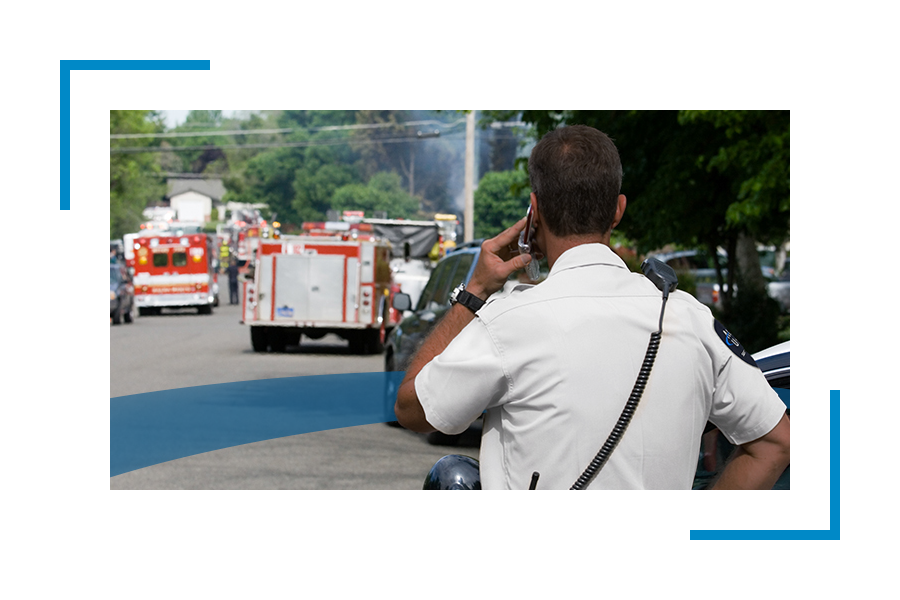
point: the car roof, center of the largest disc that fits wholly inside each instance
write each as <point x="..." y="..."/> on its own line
<point x="782" y="348"/>
<point x="774" y="361"/>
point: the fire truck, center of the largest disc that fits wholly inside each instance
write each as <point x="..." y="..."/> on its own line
<point x="335" y="278"/>
<point x="247" y="241"/>
<point x="174" y="269"/>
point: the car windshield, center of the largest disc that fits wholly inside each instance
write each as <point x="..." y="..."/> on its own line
<point x="179" y="259"/>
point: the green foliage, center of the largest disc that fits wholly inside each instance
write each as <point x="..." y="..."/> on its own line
<point x="501" y="199"/>
<point x="756" y="155"/>
<point x="133" y="177"/>
<point x="383" y="192"/>
<point x="697" y="178"/>
<point x="754" y="318"/>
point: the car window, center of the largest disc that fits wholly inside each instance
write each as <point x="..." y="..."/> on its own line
<point x="160" y="259"/>
<point x="462" y="270"/>
<point x="179" y="259"/>
<point x="428" y="292"/>
<point x="441" y="296"/>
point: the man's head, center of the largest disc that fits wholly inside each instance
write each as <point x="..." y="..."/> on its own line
<point x="576" y="176"/>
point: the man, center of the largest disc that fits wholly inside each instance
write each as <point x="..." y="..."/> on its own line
<point x="552" y="365"/>
<point x="233" y="282"/>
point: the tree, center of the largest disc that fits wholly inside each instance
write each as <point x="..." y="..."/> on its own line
<point x="383" y="192"/>
<point x="133" y="177"/>
<point x="699" y="178"/>
<point x="501" y="199"/>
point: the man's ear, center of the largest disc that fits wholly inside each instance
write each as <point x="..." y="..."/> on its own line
<point x="620" y="210"/>
<point x="535" y="217"/>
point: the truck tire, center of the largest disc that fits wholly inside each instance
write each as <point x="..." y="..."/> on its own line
<point x="206" y="309"/>
<point x="259" y="339"/>
<point x="367" y="341"/>
<point x="277" y="339"/>
<point x="376" y="340"/>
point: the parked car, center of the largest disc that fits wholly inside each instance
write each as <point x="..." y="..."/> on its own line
<point x="779" y="287"/>
<point x="121" y="294"/>
<point x="699" y="266"/>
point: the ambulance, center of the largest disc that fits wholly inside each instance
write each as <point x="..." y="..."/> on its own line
<point x="334" y="278"/>
<point x="173" y="269"/>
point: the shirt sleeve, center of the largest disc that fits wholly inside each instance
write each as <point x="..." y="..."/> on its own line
<point x="744" y="407"/>
<point x="459" y="384"/>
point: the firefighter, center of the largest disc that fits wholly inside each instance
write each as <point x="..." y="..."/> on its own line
<point x="224" y="253"/>
<point x="233" y="282"/>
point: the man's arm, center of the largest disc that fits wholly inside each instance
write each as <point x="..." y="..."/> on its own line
<point x="757" y="465"/>
<point x="495" y="264"/>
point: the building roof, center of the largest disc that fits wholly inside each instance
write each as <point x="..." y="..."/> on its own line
<point x="212" y="188"/>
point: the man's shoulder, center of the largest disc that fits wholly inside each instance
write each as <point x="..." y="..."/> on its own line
<point x="513" y="295"/>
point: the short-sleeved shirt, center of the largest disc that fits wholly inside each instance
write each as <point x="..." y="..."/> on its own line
<point x="551" y="367"/>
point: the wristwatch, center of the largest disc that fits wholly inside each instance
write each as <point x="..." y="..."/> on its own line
<point x="467" y="299"/>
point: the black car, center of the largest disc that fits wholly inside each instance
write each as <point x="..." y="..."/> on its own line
<point x="458" y="266"/>
<point x="434" y="301"/>
<point x="121" y="294"/>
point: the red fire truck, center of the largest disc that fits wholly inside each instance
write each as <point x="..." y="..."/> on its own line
<point x="247" y="241"/>
<point x="174" y="271"/>
<point x="335" y="280"/>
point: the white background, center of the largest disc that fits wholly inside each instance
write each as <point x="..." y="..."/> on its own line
<point x="66" y="532"/>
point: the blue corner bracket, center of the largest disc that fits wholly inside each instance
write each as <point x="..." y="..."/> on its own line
<point x="65" y="124"/>
<point x="834" y="530"/>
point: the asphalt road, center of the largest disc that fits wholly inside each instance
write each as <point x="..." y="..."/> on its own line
<point x="182" y="349"/>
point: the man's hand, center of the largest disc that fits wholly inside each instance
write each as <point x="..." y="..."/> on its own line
<point x="498" y="260"/>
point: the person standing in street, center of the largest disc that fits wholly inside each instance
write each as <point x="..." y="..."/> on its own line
<point x="233" y="282"/>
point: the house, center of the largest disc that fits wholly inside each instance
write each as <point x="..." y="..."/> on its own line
<point x="193" y="199"/>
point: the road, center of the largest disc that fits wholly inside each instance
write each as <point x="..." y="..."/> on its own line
<point x="182" y="349"/>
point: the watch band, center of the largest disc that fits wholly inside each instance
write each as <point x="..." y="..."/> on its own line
<point x="467" y="299"/>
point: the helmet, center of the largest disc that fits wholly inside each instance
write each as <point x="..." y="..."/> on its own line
<point x="454" y="472"/>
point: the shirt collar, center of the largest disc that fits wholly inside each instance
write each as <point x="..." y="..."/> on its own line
<point x="587" y="254"/>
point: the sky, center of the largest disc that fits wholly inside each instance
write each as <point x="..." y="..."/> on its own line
<point x="175" y="118"/>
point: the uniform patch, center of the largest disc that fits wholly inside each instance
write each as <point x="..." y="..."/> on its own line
<point x="733" y="344"/>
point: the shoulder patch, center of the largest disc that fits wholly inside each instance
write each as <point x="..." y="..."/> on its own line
<point x="733" y="344"/>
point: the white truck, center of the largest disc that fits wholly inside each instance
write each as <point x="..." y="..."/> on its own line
<point x="325" y="281"/>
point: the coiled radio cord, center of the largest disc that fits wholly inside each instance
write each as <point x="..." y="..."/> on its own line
<point x="630" y="407"/>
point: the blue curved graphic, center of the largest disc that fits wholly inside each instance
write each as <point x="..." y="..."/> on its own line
<point x="148" y="429"/>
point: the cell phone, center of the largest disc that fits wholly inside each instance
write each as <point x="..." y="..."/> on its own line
<point x="526" y="246"/>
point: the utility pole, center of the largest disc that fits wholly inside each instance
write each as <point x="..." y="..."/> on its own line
<point x="469" y="188"/>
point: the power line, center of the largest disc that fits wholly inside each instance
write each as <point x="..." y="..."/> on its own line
<point x="124" y="136"/>
<point x="307" y="144"/>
